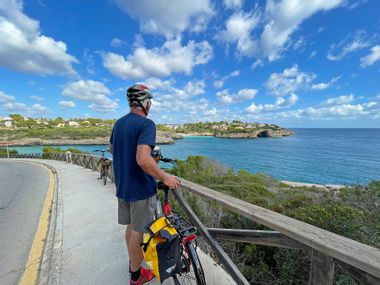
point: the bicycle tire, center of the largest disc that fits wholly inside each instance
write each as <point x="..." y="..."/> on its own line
<point x="105" y="174"/>
<point x="195" y="275"/>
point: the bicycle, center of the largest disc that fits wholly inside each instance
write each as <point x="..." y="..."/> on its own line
<point x="103" y="166"/>
<point x="191" y="268"/>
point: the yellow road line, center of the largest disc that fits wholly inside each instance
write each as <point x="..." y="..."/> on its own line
<point x="30" y="274"/>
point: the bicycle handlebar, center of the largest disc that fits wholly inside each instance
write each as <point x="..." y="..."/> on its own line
<point x="169" y="160"/>
<point x="100" y="150"/>
<point x="162" y="186"/>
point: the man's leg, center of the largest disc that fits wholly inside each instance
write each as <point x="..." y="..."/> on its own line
<point x="128" y="234"/>
<point x="134" y="249"/>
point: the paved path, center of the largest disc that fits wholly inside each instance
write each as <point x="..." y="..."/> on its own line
<point x="22" y="193"/>
<point x="89" y="246"/>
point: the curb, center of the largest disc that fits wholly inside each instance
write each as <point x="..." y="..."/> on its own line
<point x="51" y="264"/>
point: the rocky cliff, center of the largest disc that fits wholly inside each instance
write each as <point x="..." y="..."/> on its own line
<point x="256" y="134"/>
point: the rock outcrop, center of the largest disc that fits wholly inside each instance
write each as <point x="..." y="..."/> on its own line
<point x="255" y="134"/>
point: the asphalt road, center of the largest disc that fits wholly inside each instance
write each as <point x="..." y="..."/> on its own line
<point x="23" y="187"/>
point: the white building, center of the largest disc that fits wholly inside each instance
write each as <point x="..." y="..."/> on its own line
<point x="73" y="124"/>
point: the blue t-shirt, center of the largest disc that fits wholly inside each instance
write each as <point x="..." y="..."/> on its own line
<point x="132" y="182"/>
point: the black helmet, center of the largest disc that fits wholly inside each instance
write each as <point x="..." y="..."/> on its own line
<point x="138" y="92"/>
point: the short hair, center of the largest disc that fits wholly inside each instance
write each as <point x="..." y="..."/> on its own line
<point x="136" y="104"/>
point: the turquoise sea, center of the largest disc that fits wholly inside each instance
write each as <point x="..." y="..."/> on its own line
<point x="326" y="156"/>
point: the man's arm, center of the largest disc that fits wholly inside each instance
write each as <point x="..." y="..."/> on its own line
<point x="111" y="149"/>
<point x="147" y="163"/>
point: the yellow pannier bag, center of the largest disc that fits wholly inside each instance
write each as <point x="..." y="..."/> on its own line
<point x="161" y="248"/>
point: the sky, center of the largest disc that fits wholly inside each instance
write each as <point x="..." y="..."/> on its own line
<point x="294" y="63"/>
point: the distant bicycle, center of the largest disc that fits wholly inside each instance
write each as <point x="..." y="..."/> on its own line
<point x="104" y="164"/>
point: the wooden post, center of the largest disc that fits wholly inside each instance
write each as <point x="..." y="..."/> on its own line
<point x="321" y="269"/>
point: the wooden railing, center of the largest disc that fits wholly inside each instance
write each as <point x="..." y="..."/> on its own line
<point x="360" y="261"/>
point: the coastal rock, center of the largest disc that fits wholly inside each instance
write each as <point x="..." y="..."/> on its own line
<point x="256" y="134"/>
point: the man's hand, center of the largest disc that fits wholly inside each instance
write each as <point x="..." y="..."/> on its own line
<point x="171" y="181"/>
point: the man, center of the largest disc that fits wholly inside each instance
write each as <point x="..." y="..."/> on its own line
<point x="131" y="143"/>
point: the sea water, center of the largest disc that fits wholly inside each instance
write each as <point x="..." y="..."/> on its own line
<point x="325" y="156"/>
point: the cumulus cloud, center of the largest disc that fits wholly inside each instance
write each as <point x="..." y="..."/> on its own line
<point x="341" y="100"/>
<point x="156" y="83"/>
<point x="15" y="107"/>
<point x="239" y="27"/>
<point x="39" y="109"/>
<point x="233" y="4"/>
<point x="279" y="104"/>
<point x="226" y="98"/>
<point x="284" y="17"/>
<point x="117" y="42"/>
<point x="220" y="82"/>
<point x="66" y="104"/>
<point x="21" y="39"/>
<point x="350" y="44"/>
<point x="162" y="17"/>
<point x="372" y="57"/>
<point x="4" y="98"/>
<point x="37" y="98"/>
<point x="195" y="87"/>
<point x="94" y="92"/>
<point x="162" y="61"/>
<point x="290" y="80"/>
<point x="325" y="85"/>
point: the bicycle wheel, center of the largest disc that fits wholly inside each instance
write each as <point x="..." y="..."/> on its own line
<point x="105" y="174"/>
<point x="193" y="273"/>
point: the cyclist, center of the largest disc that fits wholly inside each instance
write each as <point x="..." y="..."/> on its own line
<point x="131" y="143"/>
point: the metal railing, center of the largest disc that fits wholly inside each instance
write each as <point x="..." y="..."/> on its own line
<point x="360" y="261"/>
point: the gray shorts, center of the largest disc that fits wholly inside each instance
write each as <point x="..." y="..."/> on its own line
<point x="138" y="213"/>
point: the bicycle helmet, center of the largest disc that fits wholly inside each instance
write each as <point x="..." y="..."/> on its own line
<point x="138" y="92"/>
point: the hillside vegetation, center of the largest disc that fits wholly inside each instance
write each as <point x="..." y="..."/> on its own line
<point x="352" y="212"/>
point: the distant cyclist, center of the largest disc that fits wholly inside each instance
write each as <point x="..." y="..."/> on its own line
<point x="132" y="141"/>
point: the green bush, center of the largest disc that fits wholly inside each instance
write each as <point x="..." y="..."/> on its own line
<point x="352" y="212"/>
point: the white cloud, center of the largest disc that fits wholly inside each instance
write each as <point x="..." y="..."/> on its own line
<point x="312" y="54"/>
<point x="4" y="98"/>
<point x="37" y="98"/>
<point x="66" y="104"/>
<point x="220" y="82"/>
<point x="341" y="100"/>
<point x="284" y="17"/>
<point x="372" y="57"/>
<point x="233" y="4"/>
<point x="290" y="80"/>
<point x="195" y="87"/>
<point x="15" y="107"/>
<point x="168" y="19"/>
<point x="211" y="113"/>
<point x="226" y="98"/>
<point x="156" y="83"/>
<point x="94" y="92"/>
<point x="21" y="39"/>
<point x="246" y="94"/>
<point x="172" y="57"/>
<point x="257" y="63"/>
<point x="350" y="44"/>
<point x="39" y="109"/>
<point x="238" y="30"/>
<point x="117" y="42"/>
<point x="279" y="104"/>
<point x="325" y="85"/>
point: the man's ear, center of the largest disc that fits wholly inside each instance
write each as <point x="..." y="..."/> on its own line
<point x="149" y="105"/>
